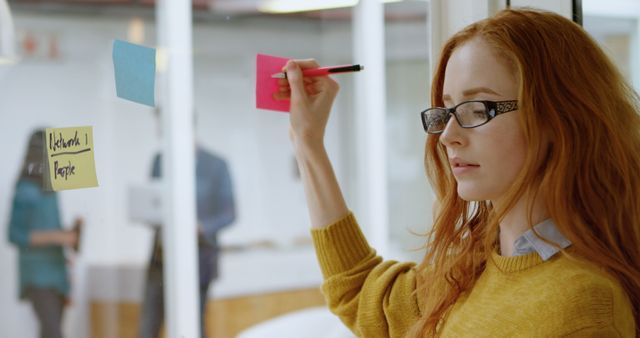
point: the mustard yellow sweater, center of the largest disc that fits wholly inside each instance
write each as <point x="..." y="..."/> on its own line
<point x="519" y="296"/>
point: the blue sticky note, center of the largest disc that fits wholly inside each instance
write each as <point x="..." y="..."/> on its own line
<point x="135" y="69"/>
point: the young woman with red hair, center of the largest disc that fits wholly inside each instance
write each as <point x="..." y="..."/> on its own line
<point x="533" y="151"/>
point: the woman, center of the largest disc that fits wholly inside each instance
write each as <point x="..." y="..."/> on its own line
<point x="35" y="229"/>
<point x="533" y="151"/>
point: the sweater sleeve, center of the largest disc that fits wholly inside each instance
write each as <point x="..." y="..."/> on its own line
<point x="374" y="298"/>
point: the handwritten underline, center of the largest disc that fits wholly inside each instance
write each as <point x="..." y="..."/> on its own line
<point x="71" y="152"/>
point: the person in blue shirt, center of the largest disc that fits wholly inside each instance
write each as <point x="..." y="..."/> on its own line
<point x="36" y="230"/>
<point x="215" y="210"/>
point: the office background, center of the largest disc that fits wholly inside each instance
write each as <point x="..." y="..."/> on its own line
<point x="65" y="78"/>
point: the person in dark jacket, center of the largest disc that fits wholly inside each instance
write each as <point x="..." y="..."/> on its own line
<point x="215" y="210"/>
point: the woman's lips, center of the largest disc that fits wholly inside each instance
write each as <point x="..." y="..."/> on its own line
<point x="464" y="169"/>
<point x="459" y="167"/>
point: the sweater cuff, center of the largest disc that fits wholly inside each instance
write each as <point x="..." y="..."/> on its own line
<point x="340" y="246"/>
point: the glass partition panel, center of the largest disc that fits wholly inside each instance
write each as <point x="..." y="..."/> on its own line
<point x="256" y="259"/>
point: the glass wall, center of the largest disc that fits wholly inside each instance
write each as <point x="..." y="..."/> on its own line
<point x="265" y="267"/>
<point x="408" y="93"/>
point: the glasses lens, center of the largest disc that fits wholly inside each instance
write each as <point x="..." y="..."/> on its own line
<point x="471" y="114"/>
<point x="435" y="119"/>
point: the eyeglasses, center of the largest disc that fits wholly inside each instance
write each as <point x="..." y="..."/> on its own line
<point x="469" y="114"/>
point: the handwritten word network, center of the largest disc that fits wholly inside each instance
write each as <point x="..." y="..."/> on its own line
<point x="56" y="143"/>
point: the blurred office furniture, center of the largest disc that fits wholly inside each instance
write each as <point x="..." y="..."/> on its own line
<point x="315" y="322"/>
<point x="259" y="281"/>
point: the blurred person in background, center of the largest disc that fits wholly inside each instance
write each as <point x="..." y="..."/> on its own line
<point x="35" y="228"/>
<point x="215" y="209"/>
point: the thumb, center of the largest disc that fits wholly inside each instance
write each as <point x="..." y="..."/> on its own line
<point x="295" y="78"/>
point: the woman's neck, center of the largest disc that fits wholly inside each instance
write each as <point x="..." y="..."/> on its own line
<point x="516" y="222"/>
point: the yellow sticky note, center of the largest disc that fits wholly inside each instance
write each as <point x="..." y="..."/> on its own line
<point x="70" y="159"/>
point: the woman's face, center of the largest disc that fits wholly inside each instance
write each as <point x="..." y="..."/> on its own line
<point x="485" y="160"/>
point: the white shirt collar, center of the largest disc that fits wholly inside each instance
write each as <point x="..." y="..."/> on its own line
<point x="529" y="242"/>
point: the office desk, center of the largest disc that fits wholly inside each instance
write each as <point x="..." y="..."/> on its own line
<point x="256" y="284"/>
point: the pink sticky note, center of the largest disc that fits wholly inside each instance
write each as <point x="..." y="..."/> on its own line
<point x="266" y="86"/>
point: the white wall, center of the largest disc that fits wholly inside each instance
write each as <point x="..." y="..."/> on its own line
<point x="79" y="90"/>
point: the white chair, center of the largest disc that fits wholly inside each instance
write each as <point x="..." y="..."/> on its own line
<point x="315" y="322"/>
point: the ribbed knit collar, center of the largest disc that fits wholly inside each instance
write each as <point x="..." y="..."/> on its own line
<point x="515" y="263"/>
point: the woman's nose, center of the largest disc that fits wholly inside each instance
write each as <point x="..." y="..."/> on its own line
<point x="452" y="135"/>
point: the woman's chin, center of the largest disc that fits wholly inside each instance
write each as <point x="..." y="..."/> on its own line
<point x="471" y="195"/>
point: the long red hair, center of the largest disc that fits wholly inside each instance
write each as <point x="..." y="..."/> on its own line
<point x="582" y="125"/>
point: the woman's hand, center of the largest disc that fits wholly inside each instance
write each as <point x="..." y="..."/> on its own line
<point x="311" y="102"/>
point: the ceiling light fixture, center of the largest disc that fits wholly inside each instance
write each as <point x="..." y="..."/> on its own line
<point x="293" y="6"/>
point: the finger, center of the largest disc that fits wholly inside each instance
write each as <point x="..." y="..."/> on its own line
<point x="281" y="96"/>
<point x="326" y="84"/>
<point x="284" y="89"/>
<point x="303" y="63"/>
<point x="296" y="83"/>
<point x="305" y="80"/>
<point x="307" y="63"/>
<point x="285" y="82"/>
